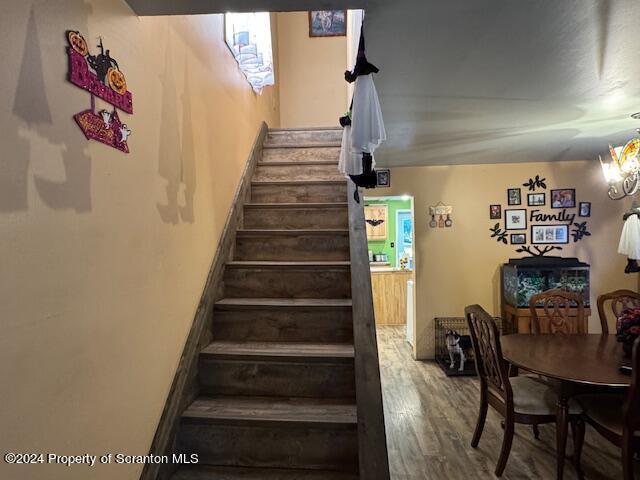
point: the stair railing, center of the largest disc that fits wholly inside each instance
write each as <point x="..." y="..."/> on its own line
<point x="372" y="442"/>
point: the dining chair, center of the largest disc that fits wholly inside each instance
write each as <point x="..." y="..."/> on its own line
<point x="557" y="305"/>
<point x="620" y="301"/>
<point x="523" y="399"/>
<point x="621" y="426"/>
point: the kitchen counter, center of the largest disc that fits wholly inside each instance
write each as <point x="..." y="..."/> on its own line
<point x="389" y="286"/>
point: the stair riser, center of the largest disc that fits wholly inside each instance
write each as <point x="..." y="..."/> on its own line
<point x="294" y="137"/>
<point x="300" y="154"/>
<point x="275" y="173"/>
<point x="256" y="282"/>
<point x="277" y="379"/>
<point x="284" y="325"/>
<point x="286" y="447"/>
<point x="299" y="193"/>
<point x="303" y="247"/>
<point x="296" y="218"/>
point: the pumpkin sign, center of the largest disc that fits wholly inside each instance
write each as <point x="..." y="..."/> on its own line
<point x="116" y="80"/>
<point x="77" y="42"/>
<point x="99" y="75"/>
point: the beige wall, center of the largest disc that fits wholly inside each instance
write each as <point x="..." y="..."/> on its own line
<point x="461" y="265"/>
<point x="103" y="264"/>
<point x="312" y="87"/>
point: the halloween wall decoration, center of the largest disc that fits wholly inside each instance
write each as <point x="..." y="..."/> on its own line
<point x="552" y="224"/>
<point x="100" y="75"/>
<point x="376" y="221"/>
<point x="441" y="216"/>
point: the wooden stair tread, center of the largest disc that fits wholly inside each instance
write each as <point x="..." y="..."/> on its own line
<point x="303" y="129"/>
<point x="292" y="232"/>
<point x="298" y="163"/>
<point x="280" y="350"/>
<point x="298" y="182"/>
<point x="202" y="472"/>
<point x="288" y="264"/>
<point x="297" y="205"/>
<point x="285" y="302"/>
<point x="234" y="409"/>
<point x="271" y="145"/>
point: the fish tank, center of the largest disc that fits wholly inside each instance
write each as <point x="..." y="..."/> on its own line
<point x="524" y="277"/>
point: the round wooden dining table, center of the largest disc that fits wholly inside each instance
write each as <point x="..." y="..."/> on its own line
<point x="585" y="359"/>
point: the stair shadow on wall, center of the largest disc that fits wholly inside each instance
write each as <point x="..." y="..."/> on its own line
<point x="176" y="159"/>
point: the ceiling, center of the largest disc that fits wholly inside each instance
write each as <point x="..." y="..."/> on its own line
<point x="186" y="7"/>
<point x="490" y="81"/>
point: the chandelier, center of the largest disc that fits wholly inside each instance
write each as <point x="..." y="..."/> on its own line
<point x="622" y="172"/>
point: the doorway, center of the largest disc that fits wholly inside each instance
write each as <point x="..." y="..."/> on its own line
<point x="391" y="240"/>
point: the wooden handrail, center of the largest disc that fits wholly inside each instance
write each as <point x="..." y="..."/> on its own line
<point x="372" y="442"/>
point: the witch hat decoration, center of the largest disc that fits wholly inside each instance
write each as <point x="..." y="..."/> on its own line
<point x="362" y="67"/>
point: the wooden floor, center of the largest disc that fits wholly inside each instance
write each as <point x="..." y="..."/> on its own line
<point x="430" y="420"/>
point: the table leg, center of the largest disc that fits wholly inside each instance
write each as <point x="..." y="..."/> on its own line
<point x="562" y="426"/>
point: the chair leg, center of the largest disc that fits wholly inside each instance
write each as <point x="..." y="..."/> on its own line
<point x="482" y="416"/>
<point x="577" y="431"/>
<point x="536" y="431"/>
<point x="627" y="457"/>
<point x="506" y="446"/>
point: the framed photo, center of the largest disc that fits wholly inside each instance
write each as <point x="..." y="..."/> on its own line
<point x="383" y="177"/>
<point x="327" y="23"/>
<point x="515" y="219"/>
<point x="536" y="199"/>
<point x="518" y="238"/>
<point x="549" y="234"/>
<point x="563" y="198"/>
<point x="495" y="212"/>
<point x="585" y="209"/>
<point x="513" y="196"/>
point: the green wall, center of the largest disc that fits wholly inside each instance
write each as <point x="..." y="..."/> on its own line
<point x="380" y="246"/>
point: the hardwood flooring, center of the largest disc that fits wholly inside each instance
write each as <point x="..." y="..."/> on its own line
<point x="430" y="420"/>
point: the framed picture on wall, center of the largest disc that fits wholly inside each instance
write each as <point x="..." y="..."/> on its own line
<point x="563" y="198"/>
<point x="495" y="212"/>
<point x="585" y="209"/>
<point x="536" y="199"/>
<point x="515" y="219"/>
<point x="513" y="196"/>
<point x="518" y="238"/>
<point x="327" y="23"/>
<point x="549" y="234"/>
<point x="383" y="178"/>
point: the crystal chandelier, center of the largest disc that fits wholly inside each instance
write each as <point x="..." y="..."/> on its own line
<point x="622" y="172"/>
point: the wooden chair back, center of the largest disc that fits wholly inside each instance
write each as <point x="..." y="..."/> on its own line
<point x="490" y="364"/>
<point x="563" y="312"/>
<point x="620" y="301"/>
<point x="632" y="406"/>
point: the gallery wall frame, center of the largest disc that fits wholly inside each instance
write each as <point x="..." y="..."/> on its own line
<point x="514" y="196"/>
<point x="563" y="198"/>
<point x="515" y="219"/>
<point x="550" y="234"/>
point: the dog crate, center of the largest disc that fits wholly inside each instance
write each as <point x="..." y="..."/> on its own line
<point x="457" y="324"/>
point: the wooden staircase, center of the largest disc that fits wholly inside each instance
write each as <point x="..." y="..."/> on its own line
<point x="276" y="385"/>
<point x="283" y="341"/>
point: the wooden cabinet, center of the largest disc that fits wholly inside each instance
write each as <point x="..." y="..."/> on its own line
<point x="390" y="296"/>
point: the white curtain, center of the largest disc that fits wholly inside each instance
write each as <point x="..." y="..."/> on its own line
<point x="248" y="35"/>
